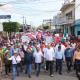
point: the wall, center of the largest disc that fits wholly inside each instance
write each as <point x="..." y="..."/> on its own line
<point x="77" y="17"/>
<point x="77" y="10"/>
<point x="69" y="9"/>
<point x="77" y="28"/>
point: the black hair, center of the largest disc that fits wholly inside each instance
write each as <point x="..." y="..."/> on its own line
<point x="59" y="47"/>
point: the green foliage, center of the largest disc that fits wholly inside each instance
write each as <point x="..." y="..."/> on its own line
<point x="11" y="26"/>
<point x="46" y="27"/>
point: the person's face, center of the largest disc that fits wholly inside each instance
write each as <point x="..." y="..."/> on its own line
<point x="35" y="45"/>
<point x="38" y="49"/>
<point x="48" y="46"/>
<point x="15" y="54"/>
<point x="69" y="46"/>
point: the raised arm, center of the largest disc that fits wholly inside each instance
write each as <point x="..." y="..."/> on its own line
<point x="23" y="49"/>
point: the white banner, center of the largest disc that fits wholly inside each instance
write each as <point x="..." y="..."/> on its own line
<point x="25" y="39"/>
<point x="49" y="39"/>
<point x="1" y="27"/>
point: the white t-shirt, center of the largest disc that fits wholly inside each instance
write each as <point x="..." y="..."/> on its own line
<point x="44" y="50"/>
<point x="62" y="48"/>
<point x="59" y="55"/>
<point x="38" y="57"/>
<point x="49" y="54"/>
<point x="15" y="60"/>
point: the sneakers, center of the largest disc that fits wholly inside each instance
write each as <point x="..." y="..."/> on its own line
<point x="51" y="75"/>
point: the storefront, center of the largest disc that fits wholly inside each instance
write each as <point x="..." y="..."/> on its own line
<point x="77" y="28"/>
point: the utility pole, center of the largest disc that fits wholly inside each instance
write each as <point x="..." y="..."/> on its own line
<point x="50" y="23"/>
<point x="23" y="24"/>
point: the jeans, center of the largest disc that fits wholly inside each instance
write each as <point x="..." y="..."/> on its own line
<point x="77" y="64"/>
<point x="7" y="68"/>
<point x="14" y="71"/>
<point x="59" y="65"/>
<point x="77" y="67"/>
<point x="49" y="66"/>
<point x="38" y="66"/>
<point x="29" y="69"/>
<point x="69" y="63"/>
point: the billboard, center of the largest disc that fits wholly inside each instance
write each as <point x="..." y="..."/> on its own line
<point x="5" y="16"/>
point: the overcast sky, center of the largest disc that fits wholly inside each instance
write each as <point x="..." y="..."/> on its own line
<point x="34" y="10"/>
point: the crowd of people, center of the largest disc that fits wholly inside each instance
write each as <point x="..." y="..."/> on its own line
<point x="19" y="57"/>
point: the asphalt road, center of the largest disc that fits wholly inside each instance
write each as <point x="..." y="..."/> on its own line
<point x="44" y="76"/>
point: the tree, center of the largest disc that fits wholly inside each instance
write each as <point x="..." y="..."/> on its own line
<point x="46" y="27"/>
<point x="11" y="27"/>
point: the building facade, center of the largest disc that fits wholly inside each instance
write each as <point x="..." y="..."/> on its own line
<point x="68" y="17"/>
<point x="57" y="20"/>
<point x="50" y="23"/>
<point x="77" y="18"/>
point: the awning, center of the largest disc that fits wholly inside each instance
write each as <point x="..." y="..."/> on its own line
<point x="77" y="23"/>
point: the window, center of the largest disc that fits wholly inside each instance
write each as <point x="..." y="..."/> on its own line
<point x="69" y="15"/>
<point x="78" y="33"/>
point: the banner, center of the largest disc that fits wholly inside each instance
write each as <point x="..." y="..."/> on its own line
<point x="25" y="39"/>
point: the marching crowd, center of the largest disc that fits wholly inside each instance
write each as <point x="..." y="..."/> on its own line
<point x="18" y="57"/>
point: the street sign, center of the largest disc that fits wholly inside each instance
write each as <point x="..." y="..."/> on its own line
<point x="5" y="16"/>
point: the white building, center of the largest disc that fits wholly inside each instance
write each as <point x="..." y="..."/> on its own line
<point x="77" y="18"/>
<point x="68" y="16"/>
<point x="64" y="21"/>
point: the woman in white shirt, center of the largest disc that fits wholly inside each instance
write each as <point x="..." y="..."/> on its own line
<point x="15" y="60"/>
<point x="38" y="60"/>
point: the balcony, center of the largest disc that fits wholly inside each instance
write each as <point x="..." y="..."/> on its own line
<point x="66" y="20"/>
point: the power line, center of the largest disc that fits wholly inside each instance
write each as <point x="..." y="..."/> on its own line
<point x="23" y="2"/>
<point x="31" y="8"/>
<point x="47" y="11"/>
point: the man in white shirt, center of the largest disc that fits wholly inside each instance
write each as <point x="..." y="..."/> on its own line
<point x="59" y="56"/>
<point x="38" y="60"/>
<point x="49" y="57"/>
<point x="62" y="47"/>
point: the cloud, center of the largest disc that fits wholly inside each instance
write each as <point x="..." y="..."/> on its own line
<point x="7" y="7"/>
<point x="34" y="10"/>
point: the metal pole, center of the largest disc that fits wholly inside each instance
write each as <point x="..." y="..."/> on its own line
<point x="23" y="24"/>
